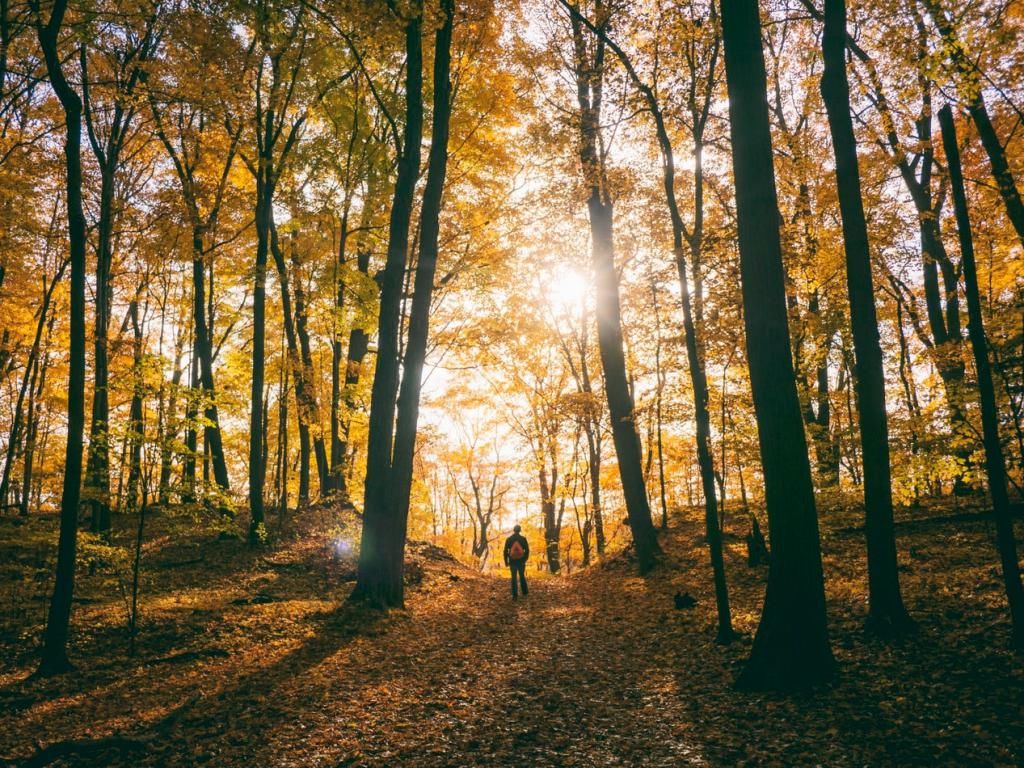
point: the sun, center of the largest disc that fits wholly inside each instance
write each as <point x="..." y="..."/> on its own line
<point x="567" y="290"/>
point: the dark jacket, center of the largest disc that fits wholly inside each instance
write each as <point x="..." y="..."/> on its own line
<point x="522" y="542"/>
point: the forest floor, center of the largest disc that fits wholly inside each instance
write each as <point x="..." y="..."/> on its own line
<point x="254" y="659"/>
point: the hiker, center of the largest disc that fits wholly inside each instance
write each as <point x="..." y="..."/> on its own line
<point x="517" y="551"/>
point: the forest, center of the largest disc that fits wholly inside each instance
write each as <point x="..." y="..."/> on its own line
<point x="305" y="304"/>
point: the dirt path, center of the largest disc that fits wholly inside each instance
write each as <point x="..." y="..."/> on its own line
<point x="465" y="677"/>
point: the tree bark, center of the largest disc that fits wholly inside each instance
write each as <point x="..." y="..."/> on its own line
<point x="54" y="652"/>
<point x="423" y="286"/>
<point x="379" y="580"/>
<point x="886" y="613"/>
<point x="135" y="417"/>
<point x="791" y="649"/>
<point x="257" y="470"/>
<point x="994" y="464"/>
<point x="589" y="76"/>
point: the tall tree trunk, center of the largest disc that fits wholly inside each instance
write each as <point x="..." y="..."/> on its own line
<point x="202" y="350"/>
<point x="620" y="402"/>
<point x="791" y="649"/>
<point x="694" y="350"/>
<point x="301" y="397"/>
<point x="589" y="76"/>
<point x="423" y="287"/>
<point x="97" y="481"/>
<point x="994" y="466"/>
<point x="379" y="580"/>
<point x="54" y="652"/>
<point x="135" y="418"/>
<point x="32" y="426"/>
<point x="660" y="444"/>
<point x="886" y="613"/>
<point x="257" y="470"/>
<point x="191" y="431"/>
<point x="306" y="362"/>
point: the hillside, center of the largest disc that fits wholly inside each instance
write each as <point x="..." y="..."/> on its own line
<point x="255" y="660"/>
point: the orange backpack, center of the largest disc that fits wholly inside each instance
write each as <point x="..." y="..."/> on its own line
<point x="516" y="551"/>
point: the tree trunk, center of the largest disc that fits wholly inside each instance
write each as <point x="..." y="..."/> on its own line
<point x="202" y="350"/>
<point x="994" y="465"/>
<point x="32" y="426"/>
<point x="313" y="422"/>
<point x="426" y="268"/>
<point x="660" y="376"/>
<point x="135" y="417"/>
<point x="552" y="533"/>
<point x="379" y="580"/>
<point x="97" y="481"/>
<point x="54" y="652"/>
<point x="620" y="403"/>
<point x="886" y="613"/>
<point x="694" y="350"/>
<point x="257" y="470"/>
<point x="791" y="649"/>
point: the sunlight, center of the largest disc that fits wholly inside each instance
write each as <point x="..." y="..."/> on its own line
<point x="568" y="290"/>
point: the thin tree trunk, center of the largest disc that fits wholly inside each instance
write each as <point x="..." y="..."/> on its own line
<point x="202" y="350"/>
<point x="33" y="426"/>
<point x="589" y="84"/>
<point x="97" y="481"/>
<point x="306" y="362"/>
<point x="14" y="437"/>
<point x="886" y="613"/>
<point x="54" y="652"/>
<point x="136" y="434"/>
<point x="994" y="465"/>
<point x="660" y="374"/>
<point x="257" y="470"/>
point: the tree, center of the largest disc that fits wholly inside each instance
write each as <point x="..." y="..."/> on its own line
<point x="886" y="613"/>
<point x="994" y="465"/>
<point x="423" y="284"/>
<point x="109" y="127"/>
<point x="588" y="71"/>
<point x="791" y="649"/>
<point x="381" y="553"/>
<point x="188" y="127"/>
<point x="54" y="658"/>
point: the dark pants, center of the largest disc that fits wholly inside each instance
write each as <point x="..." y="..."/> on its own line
<point x="518" y="568"/>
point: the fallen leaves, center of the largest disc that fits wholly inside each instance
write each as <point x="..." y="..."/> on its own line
<point x="594" y="670"/>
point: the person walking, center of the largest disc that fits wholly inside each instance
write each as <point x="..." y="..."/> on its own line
<point x="517" y="552"/>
